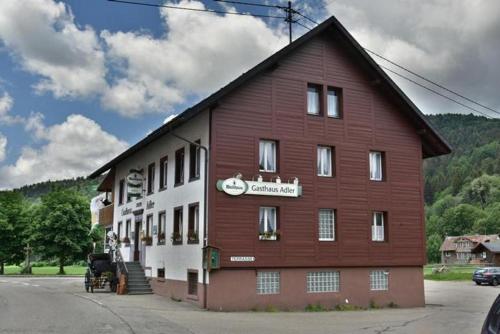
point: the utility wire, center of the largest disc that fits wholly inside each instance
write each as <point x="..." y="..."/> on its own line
<point x="432" y="82"/>
<point x="425" y="79"/>
<point x="250" y="4"/>
<point x="195" y="9"/>
<point x="434" y="91"/>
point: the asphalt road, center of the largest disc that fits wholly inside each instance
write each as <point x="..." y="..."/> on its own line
<point x="60" y="305"/>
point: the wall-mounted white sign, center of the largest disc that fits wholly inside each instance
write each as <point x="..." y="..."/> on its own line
<point x="242" y="258"/>
<point x="235" y="187"/>
<point x="134" y="183"/>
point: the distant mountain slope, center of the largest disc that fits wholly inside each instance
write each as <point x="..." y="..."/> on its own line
<point x="83" y="185"/>
<point x="476" y="151"/>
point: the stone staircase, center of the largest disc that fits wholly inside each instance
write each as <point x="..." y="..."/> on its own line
<point x="137" y="282"/>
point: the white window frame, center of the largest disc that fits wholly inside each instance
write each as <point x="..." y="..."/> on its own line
<point x="376" y="166"/>
<point x="333" y="102"/>
<point x="378" y="231"/>
<point x="268" y="282"/>
<point x="324" y="156"/>
<point x="379" y="280"/>
<point x="314" y="99"/>
<point x="265" y="155"/>
<point x="323" y="281"/>
<point x="268" y="216"/>
<point x="331" y="219"/>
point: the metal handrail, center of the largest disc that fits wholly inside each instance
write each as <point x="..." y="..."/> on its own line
<point x="122" y="266"/>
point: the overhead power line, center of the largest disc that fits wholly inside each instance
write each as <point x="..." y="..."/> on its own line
<point x="245" y="3"/>
<point x="434" y="91"/>
<point x="196" y="9"/>
<point x="425" y="79"/>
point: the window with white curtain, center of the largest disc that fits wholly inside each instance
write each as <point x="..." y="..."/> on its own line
<point x="326" y="224"/>
<point x="267" y="156"/>
<point x="333" y="103"/>
<point x="378" y="226"/>
<point x="267" y="223"/>
<point x="325" y="161"/>
<point x="313" y="99"/>
<point x="376" y="164"/>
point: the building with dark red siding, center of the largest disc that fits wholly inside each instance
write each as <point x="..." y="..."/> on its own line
<point x="298" y="183"/>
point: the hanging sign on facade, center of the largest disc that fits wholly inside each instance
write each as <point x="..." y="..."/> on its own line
<point x="236" y="186"/>
<point x="134" y="183"/>
<point x="242" y="258"/>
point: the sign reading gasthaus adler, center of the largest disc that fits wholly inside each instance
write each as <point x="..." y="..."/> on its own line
<point x="235" y="187"/>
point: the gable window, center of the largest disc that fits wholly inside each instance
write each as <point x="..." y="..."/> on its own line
<point x="163" y="172"/>
<point x="267" y="156"/>
<point x="314" y="99"/>
<point x="325" y="161"/>
<point x="379" y="280"/>
<point x="193" y="223"/>
<point x="376" y="166"/>
<point x="177" y="234"/>
<point x="333" y="102"/>
<point x="121" y="192"/>
<point x="268" y="223"/>
<point x="326" y="224"/>
<point x="323" y="281"/>
<point x="151" y="178"/>
<point x="194" y="161"/>
<point x="161" y="228"/>
<point x="378" y="226"/>
<point x="179" y="167"/>
<point x="268" y="282"/>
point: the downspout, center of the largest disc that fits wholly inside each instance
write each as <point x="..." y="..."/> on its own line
<point x="205" y="204"/>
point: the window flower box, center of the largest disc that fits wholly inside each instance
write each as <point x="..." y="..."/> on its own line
<point x="192" y="237"/>
<point x="147" y="240"/>
<point x="161" y="238"/>
<point x="126" y="241"/>
<point x="269" y="236"/>
<point x="176" y="238"/>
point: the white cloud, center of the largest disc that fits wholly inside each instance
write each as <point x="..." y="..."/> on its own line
<point x="452" y="42"/>
<point x="198" y="54"/>
<point x="73" y="148"/>
<point x="3" y="147"/>
<point x="6" y="103"/>
<point x="45" y="40"/>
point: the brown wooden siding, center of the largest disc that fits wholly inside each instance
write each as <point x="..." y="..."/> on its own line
<point x="273" y="106"/>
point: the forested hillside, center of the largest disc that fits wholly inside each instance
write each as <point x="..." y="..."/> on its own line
<point x="84" y="186"/>
<point x="462" y="190"/>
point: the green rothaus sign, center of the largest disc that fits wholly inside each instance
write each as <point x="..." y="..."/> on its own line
<point x="211" y="258"/>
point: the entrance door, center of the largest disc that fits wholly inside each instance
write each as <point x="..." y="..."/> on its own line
<point x="137" y="240"/>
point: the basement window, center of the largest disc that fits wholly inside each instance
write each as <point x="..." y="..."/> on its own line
<point x="268" y="282"/>
<point x="379" y="280"/>
<point x="323" y="281"/>
<point x="193" y="283"/>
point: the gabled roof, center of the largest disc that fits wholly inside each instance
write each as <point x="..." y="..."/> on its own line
<point x="493" y="247"/>
<point x="449" y="243"/>
<point x="432" y="143"/>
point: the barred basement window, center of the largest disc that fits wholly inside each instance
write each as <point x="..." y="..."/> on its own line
<point x="161" y="272"/>
<point x="268" y="282"/>
<point x="379" y="280"/>
<point x="192" y="283"/>
<point x="323" y="281"/>
<point x="326" y="225"/>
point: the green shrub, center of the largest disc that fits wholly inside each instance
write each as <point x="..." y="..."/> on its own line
<point x="315" y="308"/>
<point x="348" y="307"/>
<point x="392" y="305"/>
<point x="271" y="308"/>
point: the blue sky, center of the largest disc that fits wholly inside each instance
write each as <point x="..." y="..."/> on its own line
<point x="82" y="80"/>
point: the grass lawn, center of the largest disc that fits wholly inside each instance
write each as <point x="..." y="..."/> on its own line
<point x="455" y="273"/>
<point x="70" y="270"/>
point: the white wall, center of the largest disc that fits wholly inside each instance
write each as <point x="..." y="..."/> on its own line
<point x="176" y="259"/>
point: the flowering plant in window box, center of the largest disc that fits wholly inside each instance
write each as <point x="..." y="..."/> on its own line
<point x="147" y="240"/>
<point x="269" y="235"/>
<point x="192" y="237"/>
<point x="176" y="238"/>
<point x="161" y="238"/>
<point x="126" y="241"/>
